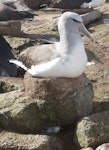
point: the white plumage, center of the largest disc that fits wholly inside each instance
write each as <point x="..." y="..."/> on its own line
<point x="93" y="4"/>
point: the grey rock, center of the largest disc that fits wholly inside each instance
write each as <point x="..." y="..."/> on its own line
<point x="91" y="16"/>
<point x="93" y="130"/>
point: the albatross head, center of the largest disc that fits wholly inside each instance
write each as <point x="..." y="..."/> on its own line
<point x="71" y="22"/>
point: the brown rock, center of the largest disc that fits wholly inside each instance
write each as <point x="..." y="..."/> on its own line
<point x="53" y="89"/>
<point x="12" y="28"/>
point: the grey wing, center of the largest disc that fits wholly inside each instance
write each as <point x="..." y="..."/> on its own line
<point x="38" y="54"/>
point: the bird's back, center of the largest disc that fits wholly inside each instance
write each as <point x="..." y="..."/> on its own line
<point x="36" y="55"/>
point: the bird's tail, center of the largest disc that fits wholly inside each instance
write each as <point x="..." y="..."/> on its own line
<point x="19" y="63"/>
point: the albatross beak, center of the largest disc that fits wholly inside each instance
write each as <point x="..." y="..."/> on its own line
<point x="83" y="29"/>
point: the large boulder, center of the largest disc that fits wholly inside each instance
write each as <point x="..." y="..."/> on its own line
<point x="15" y="141"/>
<point x="93" y="130"/>
<point x="45" y="102"/>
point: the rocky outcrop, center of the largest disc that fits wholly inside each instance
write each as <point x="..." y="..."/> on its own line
<point x="14" y="141"/>
<point x="93" y="130"/>
<point x="44" y="103"/>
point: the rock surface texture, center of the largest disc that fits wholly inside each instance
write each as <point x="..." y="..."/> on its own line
<point x="14" y="141"/>
<point x="44" y="103"/>
<point x="93" y="130"/>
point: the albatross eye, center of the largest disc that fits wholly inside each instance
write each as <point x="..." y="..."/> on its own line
<point x="76" y="21"/>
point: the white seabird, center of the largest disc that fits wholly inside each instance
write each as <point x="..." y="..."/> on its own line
<point x="92" y="3"/>
<point x="66" y="58"/>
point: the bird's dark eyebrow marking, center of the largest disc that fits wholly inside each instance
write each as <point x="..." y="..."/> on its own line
<point x="76" y="20"/>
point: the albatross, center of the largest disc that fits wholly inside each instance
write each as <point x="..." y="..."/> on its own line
<point x="66" y="58"/>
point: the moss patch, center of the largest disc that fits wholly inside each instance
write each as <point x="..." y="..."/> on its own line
<point x="4" y="87"/>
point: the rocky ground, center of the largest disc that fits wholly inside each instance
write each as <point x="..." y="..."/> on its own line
<point x="41" y="27"/>
<point x="97" y="51"/>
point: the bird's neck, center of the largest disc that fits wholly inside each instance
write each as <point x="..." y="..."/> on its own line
<point x="70" y="41"/>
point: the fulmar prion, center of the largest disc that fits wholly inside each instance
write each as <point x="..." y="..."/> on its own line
<point x="66" y="58"/>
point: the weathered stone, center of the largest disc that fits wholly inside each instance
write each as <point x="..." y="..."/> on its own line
<point x="56" y="89"/>
<point x="14" y="141"/>
<point x="103" y="147"/>
<point x="47" y="102"/>
<point x="12" y="28"/>
<point x="93" y="130"/>
<point x="91" y="16"/>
